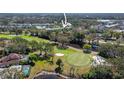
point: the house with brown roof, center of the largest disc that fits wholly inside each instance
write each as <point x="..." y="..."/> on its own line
<point x="11" y="59"/>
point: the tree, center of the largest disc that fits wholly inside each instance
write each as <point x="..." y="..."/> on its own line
<point x="60" y="64"/>
<point x="53" y="36"/>
<point x="18" y="45"/>
<point x="18" y="31"/>
<point x="89" y="38"/>
<point x="99" y="72"/>
<point x="107" y="50"/>
<point x="79" y="37"/>
<point x="111" y="50"/>
<point x="33" y="57"/>
<point x="40" y="47"/>
<point x="111" y="33"/>
<point x="34" y="45"/>
<point x="87" y="48"/>
<point x="117" y="66"/>
<point x="63" y="40"/>
<point x="106" y="36"/>
<point x="59" y="70"/>
<point x="117" y="35"/>
<point x="46" y="48"/>
<point x="118" y="41"/>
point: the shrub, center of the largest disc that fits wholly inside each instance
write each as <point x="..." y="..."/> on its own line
<point x="59" y="70"/>
<point x="59" y="63"/>
<point x="33" y="57"/>
<point x="87" y="48"/>
<point x="23" y="63"/>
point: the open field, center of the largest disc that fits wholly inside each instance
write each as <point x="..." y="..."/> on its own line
<point x="5" y="36"/>
<point x="29" y="38"/>
<point x="75" y="57"/>
<point x="79" y="59"/>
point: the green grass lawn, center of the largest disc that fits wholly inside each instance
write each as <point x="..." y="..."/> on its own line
<point x="74" y="57"/>
<point x="5" y="36"/>
<point x="29" y="38"/>
<point x="79" y="59"/>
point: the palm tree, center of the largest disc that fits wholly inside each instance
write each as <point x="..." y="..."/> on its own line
<point x="47" y="48"/>
<point x="40" y="47"/>
<point x="118" y="41"/>
<point x="44" y="47"/>
<point x="106" y="35"/>
<point x="34" y="45"/>
<point x="111" y="33"/>
<point x="117" y="35"/>
<point x="52" y="36"/>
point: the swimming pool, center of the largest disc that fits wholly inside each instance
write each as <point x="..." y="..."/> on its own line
<point x="26" y="70"/>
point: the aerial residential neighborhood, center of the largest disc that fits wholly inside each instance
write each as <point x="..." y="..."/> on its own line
<point x="61" y="46"/>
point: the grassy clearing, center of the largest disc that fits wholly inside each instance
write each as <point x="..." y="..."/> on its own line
<point x="75" y="57"/>
<point x="5" y="36"/>
<point x="79" y="59"/>
<point x="29" y="38"/>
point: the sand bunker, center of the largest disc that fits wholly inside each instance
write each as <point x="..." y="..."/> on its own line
<point x="59" y="54"/>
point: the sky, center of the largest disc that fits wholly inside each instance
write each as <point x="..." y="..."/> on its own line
<point x="61" y="6"/>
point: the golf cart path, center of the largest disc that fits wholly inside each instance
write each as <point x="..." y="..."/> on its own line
<point x="75" y="48"/>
